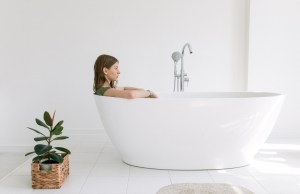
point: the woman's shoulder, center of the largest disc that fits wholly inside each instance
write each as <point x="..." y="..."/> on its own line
<point x="101" y="91"/>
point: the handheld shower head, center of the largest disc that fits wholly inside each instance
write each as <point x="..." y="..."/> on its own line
<point x="176" y="56"/>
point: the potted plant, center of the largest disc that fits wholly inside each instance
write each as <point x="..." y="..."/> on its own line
<point x="51" y="163"/>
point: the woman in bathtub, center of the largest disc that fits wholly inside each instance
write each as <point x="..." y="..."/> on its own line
<point x="106" y="73"/>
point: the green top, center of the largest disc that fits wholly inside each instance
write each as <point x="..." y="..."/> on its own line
<point x="101" y="90"/>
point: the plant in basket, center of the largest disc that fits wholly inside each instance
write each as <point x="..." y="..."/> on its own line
<point x="46" y="153"/>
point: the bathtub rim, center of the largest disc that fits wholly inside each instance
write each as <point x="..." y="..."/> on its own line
<point x="208" y="95"/>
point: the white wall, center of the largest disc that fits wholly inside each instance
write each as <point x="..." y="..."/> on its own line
<point x="48" y="49"/>
<point x="274" y="57"/>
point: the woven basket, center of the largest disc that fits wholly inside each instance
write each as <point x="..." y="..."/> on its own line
<point x="53" y="179"/>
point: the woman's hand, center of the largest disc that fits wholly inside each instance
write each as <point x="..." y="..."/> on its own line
<point x="152" y="94"/>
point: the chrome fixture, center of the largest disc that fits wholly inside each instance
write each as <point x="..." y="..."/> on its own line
<point x="180" y="79"/>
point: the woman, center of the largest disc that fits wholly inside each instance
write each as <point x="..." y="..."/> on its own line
<point x="106" y="73"/>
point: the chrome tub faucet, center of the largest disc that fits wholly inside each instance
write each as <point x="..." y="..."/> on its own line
<point x="180" y="78"/>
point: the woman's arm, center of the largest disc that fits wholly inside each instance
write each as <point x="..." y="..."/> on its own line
<point x="129" y="93"/>
<point x="128" y="88"/>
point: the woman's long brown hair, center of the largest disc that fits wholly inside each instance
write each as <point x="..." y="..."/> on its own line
<point x="99" y="77"/>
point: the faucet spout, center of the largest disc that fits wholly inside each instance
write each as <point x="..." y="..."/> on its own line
<point x="183" y="75"/>
<point x="189" y="46"/>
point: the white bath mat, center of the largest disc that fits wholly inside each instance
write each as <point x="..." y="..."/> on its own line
<point x="203" y="188"/>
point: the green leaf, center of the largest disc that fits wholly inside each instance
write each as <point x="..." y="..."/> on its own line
<point x="41" y="149"/>
<point x="56" y="157"/>
<point x="61" y="138"/>
<point x="63" y="150"/>
<point x="37" y="158"/>
<point x="40" y="138"/>
<point x="47" y="118"/>
<point x="41" y="123"/>
<point x="29" y="153"/>
<point x="36" y="131"/>
<point x="58" y="124"/>
<point x="57" y="130"/>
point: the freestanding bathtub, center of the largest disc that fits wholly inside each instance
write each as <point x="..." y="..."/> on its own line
<point x="190" y="131"/>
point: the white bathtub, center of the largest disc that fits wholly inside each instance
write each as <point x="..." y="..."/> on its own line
<point x="190" y="131"/>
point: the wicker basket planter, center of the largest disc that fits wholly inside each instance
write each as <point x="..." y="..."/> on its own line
<point x="53" y="179"/>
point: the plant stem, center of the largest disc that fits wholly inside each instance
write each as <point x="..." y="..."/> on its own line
<point x="49" y="141"/>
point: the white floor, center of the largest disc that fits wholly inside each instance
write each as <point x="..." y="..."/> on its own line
<point x="10" y="161"/>
<point x="95" y="167"/>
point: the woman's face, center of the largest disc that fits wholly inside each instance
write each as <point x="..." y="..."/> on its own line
<point x="112" y="73"/>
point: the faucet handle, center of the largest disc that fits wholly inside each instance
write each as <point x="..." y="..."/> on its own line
<point x="186" y="79"/>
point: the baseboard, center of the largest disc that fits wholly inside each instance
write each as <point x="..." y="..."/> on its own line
<point x="16" y="148"/>
<point x="89" y="131"/>
<point x="285" y="134"/>
<point x="96" y="131"/>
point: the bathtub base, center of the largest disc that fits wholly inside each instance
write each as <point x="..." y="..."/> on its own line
<point x="189" y="163"/>
<point x="187" y="168"/>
